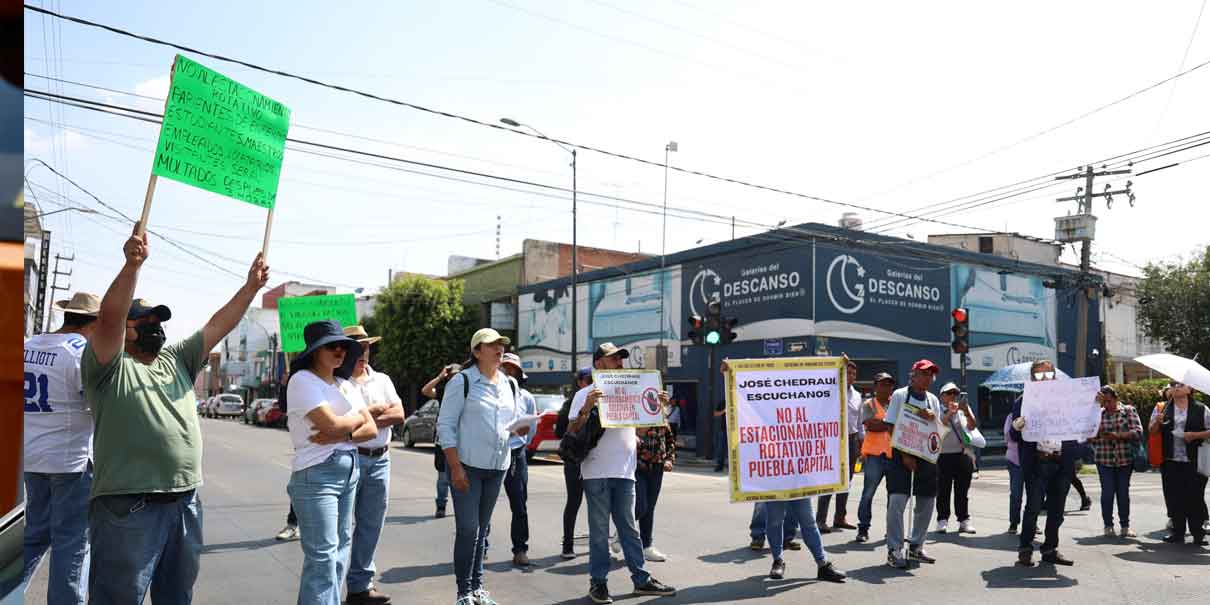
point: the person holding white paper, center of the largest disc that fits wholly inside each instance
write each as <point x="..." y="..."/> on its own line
<point x="1182" y="425"/>
<point x="955" y="466"/>
<point x="909" y="475"/>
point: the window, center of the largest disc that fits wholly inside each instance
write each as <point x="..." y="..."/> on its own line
<point x="986" y="245"/>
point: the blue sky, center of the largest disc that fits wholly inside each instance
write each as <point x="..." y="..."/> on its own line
<point x="844" y="101"/>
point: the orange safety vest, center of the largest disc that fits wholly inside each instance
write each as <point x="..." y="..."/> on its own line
<point x="876" y="443"/>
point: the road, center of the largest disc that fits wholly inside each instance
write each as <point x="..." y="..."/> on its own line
<point x="246" y="469"/>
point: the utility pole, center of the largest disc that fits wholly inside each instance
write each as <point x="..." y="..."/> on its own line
<point x="54" y="278"/>
<point x="43" y="261"/>
<point x="1081" y="227"/>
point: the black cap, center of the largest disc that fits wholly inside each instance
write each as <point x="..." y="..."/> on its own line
<point x="881" y="376"/>
<point x="140" y="308"/>
<point x="608" y="349"/>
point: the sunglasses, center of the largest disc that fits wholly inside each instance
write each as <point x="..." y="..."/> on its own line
<point x="336" y="346"/>
<point x="1044" y="375"/>
<point x="1176" y="385"/>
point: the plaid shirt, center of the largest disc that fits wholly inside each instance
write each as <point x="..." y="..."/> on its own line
<point x="1117" y="452"/>
<point x="656" y="446"/>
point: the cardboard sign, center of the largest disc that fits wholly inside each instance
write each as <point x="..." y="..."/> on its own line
<point x="786" y="427"/>
<point x="296" y="312"/>
<point x="221" y="136"/>
<point x="632" y="398"/>
<point x="1061" y="410"/>
<point x="916" y="436"/>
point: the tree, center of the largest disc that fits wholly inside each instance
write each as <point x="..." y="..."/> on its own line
<point x="423" y="325"/>
<point x="1174" y="305"/>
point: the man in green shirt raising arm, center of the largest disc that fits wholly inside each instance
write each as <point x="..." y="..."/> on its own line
<point x="145" y="519"/>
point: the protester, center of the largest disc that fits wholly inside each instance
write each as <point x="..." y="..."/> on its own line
<point x="1183" y="427"/>
<point x="571" y="469"/>
<point x="674" y="418"/>
<point x="720" y="436"/>
<point x="1015" y="481"/>
<point x="1046" y="469"/>
<point x="58" y="451"/>
<point x="800" y="509"/>
<point x="908" y="475"/>
<point x="875" y="450"/>
<point x="609" y="483"/>
<point x="477" y="409"/>
<point x="656" y="455"/>
<point x="956" y="464"/>
<point x="759" y="526"/>
<point x="374" y="465"/>
<point x="1114" y="447"/>
<point x="435" y="389"/>
<point x="516" y="480"/>
<point x="145" y="520"/>
<point x="853" y="413"/>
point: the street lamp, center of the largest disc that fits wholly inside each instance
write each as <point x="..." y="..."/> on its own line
<point x="669" y="148"/>
<point x="575" y="270"/>
<point x="76" y="208"/>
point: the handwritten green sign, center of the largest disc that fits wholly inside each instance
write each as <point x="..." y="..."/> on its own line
<point x="296" y="312"/>
<point x="221" y="136"/>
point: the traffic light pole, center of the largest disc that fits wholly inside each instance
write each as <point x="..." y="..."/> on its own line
<point x="705" y="422"/>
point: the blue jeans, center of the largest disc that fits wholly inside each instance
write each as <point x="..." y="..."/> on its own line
<point x="370" y="511"/>
<point x="443" y="488"/>
<point x="1016" y="486"/>
<point x="139" y="544"/>
<point x="323" y="496"/>
<point x="612" y="498"/>
<point x="1115" y="482"/>
<point x="720" y="446"/>
<point x="472" y="520"/>
<point x="759" y="524"/>
<point x="873" y="469"/>
<point x="801" y="510"/>
<point x="56" y="518"/>
<point x="516" y="487"/>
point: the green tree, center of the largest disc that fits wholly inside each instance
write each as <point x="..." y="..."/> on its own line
<point x="423" y="325"/>
<point x="1174" y="305"/>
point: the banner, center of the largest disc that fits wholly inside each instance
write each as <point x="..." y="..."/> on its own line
<point x="769" y="288"/>
<point x="221" y="136"/>
<point x="786" y="428"/>
<point x="916" y="436"/>
<point x="1012" y="317"/>
<point x="295" y="312"/>
<point x="632" y="398"/>
<point x="1061" y="410"/>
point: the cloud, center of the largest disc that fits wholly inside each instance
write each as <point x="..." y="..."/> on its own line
<point x="155" y="87"/>
<point x="39" y="145"/>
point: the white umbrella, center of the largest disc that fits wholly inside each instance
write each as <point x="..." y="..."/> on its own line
<point x="1179" y="369"/>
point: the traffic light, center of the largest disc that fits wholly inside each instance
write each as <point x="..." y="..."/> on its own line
<point x="729" y="324"/>
<point x="962" y="331"/>
<point x="695" y="329"/>
<point x="714" y="323"/>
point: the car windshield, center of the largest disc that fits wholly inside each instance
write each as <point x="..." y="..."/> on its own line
<point x="548" y="403"/>
<point x="229" y="399"/>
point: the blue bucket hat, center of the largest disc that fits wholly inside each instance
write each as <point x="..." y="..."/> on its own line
<point x="320" y="333"/>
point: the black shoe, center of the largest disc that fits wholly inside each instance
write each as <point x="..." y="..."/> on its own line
<point x="778" y="571"/>
<point x="568" y="552"/>
<point x="1025" y="559"/>
<point x="1199" y="541"/>
<point x="369" y="597"/>
<point x="916" y="553"/>
<point x="1012" y="528"/>
<point x="440" y="514"/>
<point x="599" y="593"/>
<point x="828" y="573"/>
<point x="862" y="537"/>
<point x="718" y="469"/>
<point x="824" y="528"/>
<point x="793" y="545"/>
<point x="1174" y="539"/>
<point x="655" y="587"/>
<point x="1057" y="558"/>
<point x="758" y="544"/>
<point x="1086" y="504"/>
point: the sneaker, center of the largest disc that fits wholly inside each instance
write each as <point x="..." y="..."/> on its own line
<point x="1025" y="558"/>
<point x="568" y="553"/>
<point x="916" y="553"/>
<point x="651" y="554"/>
<point x="1057" y="558"/>
<point x="862" y="536"/>
<point x="757" y="544"/>
<point x="615" y="549"/>
<point x="943" y="525"/>
<point x="599" y="593"/>
<point x="828" y="573"/>
<point x="793" y="545"/>
<point x="369" y="597"/>
<point x="482" y="597"/>
<point x="440" y="514"/>
<point x="966" y="527"/>
<point x="778" y="571"/>
<point x="1109" y="533"/>
<point x="1174" y="539"/>
<point x="465" y="600"/>
<point x="896" y="561"/>
<point x="1012" y="528"/>
<point x="521" y="559"/>
<point x="656" y="588"/>
<point x="1169" y="526"/>
<point x="1128" y="533"/>
<point x="289" y="532"/>
<point x="1086" y="504"/>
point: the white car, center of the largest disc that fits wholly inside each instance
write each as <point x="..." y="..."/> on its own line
<point x="228" y="404"/>
<point x="252" y="412"/>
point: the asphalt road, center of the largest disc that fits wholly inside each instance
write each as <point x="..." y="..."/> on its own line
<point x="706" y="538"/>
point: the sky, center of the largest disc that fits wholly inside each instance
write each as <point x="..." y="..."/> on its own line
<point x="888" y="105"/>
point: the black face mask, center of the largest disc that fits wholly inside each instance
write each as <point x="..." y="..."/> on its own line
<point x="150" y="338"/>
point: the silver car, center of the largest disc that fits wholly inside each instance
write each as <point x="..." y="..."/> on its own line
<point x="228" y="404"/>
<point x="421" y="426"/>
<point x="252" y="411"/>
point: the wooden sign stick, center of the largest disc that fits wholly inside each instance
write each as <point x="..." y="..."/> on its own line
<point x="147" y="204"/>
<point x="264" y="249"/>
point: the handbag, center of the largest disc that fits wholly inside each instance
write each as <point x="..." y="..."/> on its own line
<point x="1203" y="459"/>
<point x="1142" y="461"/>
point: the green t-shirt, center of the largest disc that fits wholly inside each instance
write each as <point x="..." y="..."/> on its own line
<point x="147" y="437"/>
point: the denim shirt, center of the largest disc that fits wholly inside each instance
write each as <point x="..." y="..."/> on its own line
<point x="477" y="425"/>
<point x="527" y="405"/>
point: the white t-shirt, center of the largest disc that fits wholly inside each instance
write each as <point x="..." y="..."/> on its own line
<point x="903" y="396"/>
<point x="376" y="388"/>
<point x="305" y="392"/>
<point x="853" y="407"/>
<point x="614" y="455"/>
<point x="58" y="421"/>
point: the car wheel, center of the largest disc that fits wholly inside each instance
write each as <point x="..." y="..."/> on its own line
<point x="407" y="437"/>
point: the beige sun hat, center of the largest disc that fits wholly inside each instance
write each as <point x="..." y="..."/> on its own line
<point x="81" y="303"/>
<point x="359" y="334"/>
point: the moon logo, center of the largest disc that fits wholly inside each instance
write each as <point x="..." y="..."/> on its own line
<point x="851" y="300"/>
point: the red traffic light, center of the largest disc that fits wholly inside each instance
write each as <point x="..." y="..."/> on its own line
<point x="695" y="321"/>
<point x="959" y="315"/>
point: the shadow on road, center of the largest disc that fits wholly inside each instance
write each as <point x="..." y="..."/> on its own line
<point x="1005" y="542"/>
<point x="754" y="587"/>
<point x="1039" y="576"/>
<point x="877" y="574"/>
<point x="210" y="549"/>
<point x="852" y="546"/>
<point x="403" y="575"/>
<point x="1167" y="554"/>
<point x="737" y="556"/>
<point x="506" y="565"/>
<point x="410" y="519"/>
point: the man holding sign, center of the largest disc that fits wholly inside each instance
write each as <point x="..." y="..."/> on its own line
<point x="916" y="440"/>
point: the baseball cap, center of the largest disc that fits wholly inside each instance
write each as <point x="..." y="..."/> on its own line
<point x="608" y="349"/>
<point x="515" y="361"/>
<point x="140" y="308"/>
<point x="881" y="376"/>
<point x="949" y="386"/>
<point x="583" y="373"/>
<point x="488" y="336"/>
<point x="925" y="365"/>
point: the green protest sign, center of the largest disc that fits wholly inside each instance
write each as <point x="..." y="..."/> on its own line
<point x="221" y="136"/>
<point x="296" y="312"/>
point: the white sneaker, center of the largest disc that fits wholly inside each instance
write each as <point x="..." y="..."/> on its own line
<point x="289" y="532"/>
<point x="1169" y="526"/>
<point x="651" y="554"/>
<point x="943" y="525"/>
<point x="615" y="547"/>
<point x="1128" y="533"/>
<point x="1109" y="533"/>
<point x="966" y="528"/>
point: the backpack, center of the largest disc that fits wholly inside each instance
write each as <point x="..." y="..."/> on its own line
<point x="439" y="453"/>
<point x="574" y="446"/>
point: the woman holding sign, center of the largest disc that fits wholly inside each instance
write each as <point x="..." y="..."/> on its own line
<point x="955" y="466"/>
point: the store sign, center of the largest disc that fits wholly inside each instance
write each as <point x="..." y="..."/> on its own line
<point x="1012" y="317"/>
<point x="878" y="297"/>
<point x="768" y="291"/>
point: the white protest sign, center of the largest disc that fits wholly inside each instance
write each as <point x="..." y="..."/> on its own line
<point x="917" y="436"/>
<point x="1061" y="410"/>
<point x="786" y="423"/>
<point x="632" y="398"/>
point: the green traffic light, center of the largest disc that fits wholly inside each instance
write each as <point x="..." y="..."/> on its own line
<point x="712" y="337"/>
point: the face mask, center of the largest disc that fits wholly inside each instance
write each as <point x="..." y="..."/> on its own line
<point x="150" y="337"/>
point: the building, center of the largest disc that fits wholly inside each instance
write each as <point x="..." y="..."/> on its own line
<point x="36" y="252"/>
<point x="810" y="290"/>
<point x="268" y="300"/>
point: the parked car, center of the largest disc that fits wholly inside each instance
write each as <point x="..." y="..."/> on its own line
<point x="252" y="411"/>
<point x="544" y="439"/>
<point x="210" y="406"/>
<point x="421" y="426"/>
<point x="271" y="416"/>
<point x="228" y="404"/>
